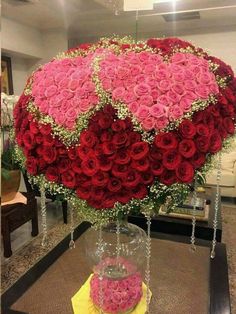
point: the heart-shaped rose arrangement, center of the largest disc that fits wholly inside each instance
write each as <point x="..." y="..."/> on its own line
<point x="118" y="125"/>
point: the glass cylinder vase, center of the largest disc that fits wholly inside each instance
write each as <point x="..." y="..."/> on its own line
<point x="116" y="255"/>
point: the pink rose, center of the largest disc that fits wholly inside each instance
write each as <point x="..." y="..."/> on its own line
<point x="202" y="91"/>
<point x="143" y="56"/>
<point x="157" y="111"/>
<point x="214" y="88"/>
<point x="117" y="83"/>
<point x="133" y="107"/>
<point x="84" y="105"/>
<point x="107" y="84"/>
<point x="175" y="112"/>
<point x="189" y="75"/>
<point x="140" y="78"/>
<point x="179" y="77"/>
<point x="64" y="83"/>
<point x="146" y="100"/>
<point x="193" y="60"/>
<point x="89" y="87"/>
<point x="175" y="68"/>
<point x="163" y="100"/>
<point x="93" y="99"/>
<point x="178" y="88"/>
<point x="173" y="96"/>
<point x="155" y="94"/>
<point x="161" y="74"/>
<point x="73" y="85"/>
<point x="151" y="82"/>
<point x="157" y="59"/>
<point x="178" y="58"/>
<point x="164" y="85"/>
<point x="148" y="123"/>
<point x="129" y="97"/>
<point x="118" y="93"/>
<point x="149" y="68"/>
<point x="122" y="72"/>
<point x="190" y="95"/>
<point x="143" y="112"/>
<point x="67" y="94"/>
<point x="142" y="89"/>
<point x="190" y="85"/>
<point x="204" y="78"/>
<point x="185" y="104"/>
<point x="195" y="69"/>
<point x="161" y="122"/>
<point x="135" y="70"/>
<point x="50" y="91"/>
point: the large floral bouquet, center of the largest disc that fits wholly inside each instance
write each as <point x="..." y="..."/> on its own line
<point x="119" y="125"/>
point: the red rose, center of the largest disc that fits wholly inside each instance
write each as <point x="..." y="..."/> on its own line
<point x="104" y="163"/>
<point x="28" y="140"/>
<point x="156" y="153"/>
<point x="187" y="129"/>
<point x="202" y="130"/>
<point x="90" y="166"/>
<point x="208" y="119"/>
<point x="166" y="140"/>
<point x="139" y="150"/>
<point x="34" y="127"/>
<point x="187" y="148"/>
<point x="105" y="122"/>
<point x="122" y="157"/>
<point x="157" y="167"/>
<point x="68" y="179"/>
<point x="62" y="151"/>
<point x="114" y="185"/>
<point x="118" y="125"/>
<point x="227" y="111"/>
<point x="31" y="165"/>
<point x="215" y="142"/>
<point x="222" y="131"/>
<point x="42" y="164"/>
<point x="82" y="151"/>
<point x="88" y="138"/>
<point x="119" y="171"/>
<point x="147" y="178"/>
<point x="100" y="179"/>
<point x="134" y="137"/>
<point x="64" y="165"/>
<point x="198" y="160"/>
<point x="76" y="166"/>
<point x="39" y="138"/>
<point x="52" y="174"/>
<point x="109" y="110"/>
<point x="167" y="177"/>
<point x="82" y="180"/>
<point x="229" y="125"/>
<point x="140" y="165"/>
<point x="120" y="139"/>
<point x="45" y="129"/>
<point x="72" y="153"/>
<point x="109" y="148"/>
<point x="124" y="196"/>
<point x="106" y="136"/>
<point x="171" y="159"/>
<point x="131" y="179"/>
<point x="83" y="193"/>
<point x="97" y="194"/>
<point x="48" y="140"/>
<point x="109" y="201"/>
<point x="202" y="143"/>
<point x="95" y="203"/>
<point x="49" y="154"/>
<point x="140" y="191"/>
<point x="185" y="172"/>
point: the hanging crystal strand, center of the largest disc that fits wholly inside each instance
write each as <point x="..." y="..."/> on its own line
<point x="217" y="203"/>
<point x="117" y="239"/>
<point x="72" y="242"/>
<point x="100" y="249"/>
<point x="43" y="214"/>
<point x="148" y="257"/>
<point x="193" y="246"/>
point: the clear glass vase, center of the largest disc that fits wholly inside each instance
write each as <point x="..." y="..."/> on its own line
<point x="116" y="254"/>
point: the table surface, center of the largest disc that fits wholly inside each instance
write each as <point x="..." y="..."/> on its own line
<point x="182" y="282"/>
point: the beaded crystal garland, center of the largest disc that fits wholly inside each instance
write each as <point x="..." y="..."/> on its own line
<point x="119" y="126"/>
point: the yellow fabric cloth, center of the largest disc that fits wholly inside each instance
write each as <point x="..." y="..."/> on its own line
<point x="82" y="304"/>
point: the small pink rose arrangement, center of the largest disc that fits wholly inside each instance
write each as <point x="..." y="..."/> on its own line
<point x="118" y="296"/>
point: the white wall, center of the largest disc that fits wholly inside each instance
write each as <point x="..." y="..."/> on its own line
<point x="29" y="48"/>
<point x="221" y="45"/>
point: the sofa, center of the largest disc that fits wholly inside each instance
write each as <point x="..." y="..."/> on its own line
<point x="228" y="174"/>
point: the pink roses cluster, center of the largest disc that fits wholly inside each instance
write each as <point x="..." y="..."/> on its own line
<point x="119" y="296"/>
<point x="63" y="89"/>
<point x="157" y="92"/>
